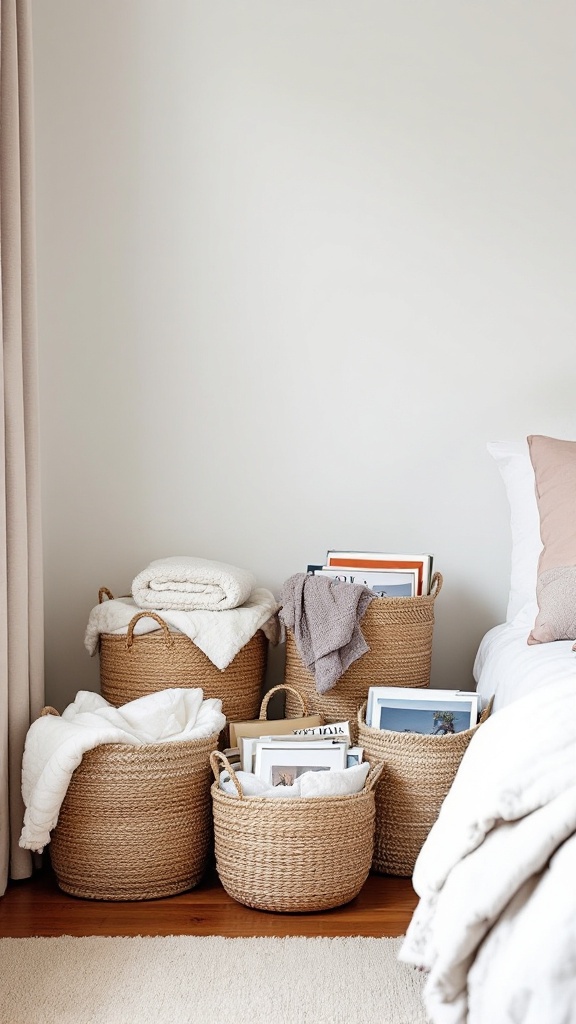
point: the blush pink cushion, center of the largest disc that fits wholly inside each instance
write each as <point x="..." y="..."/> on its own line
<point x="554" y="463"/>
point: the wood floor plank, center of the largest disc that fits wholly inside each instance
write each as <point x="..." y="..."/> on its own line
<point x="37" y="907"/>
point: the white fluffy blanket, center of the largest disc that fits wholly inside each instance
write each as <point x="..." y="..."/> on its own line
<point x="186" y="584"/>
<point x="495" y="926"/>
<point x="220" y="635"/>
<point x="55" y="745"/>
<point x="332" y="783"/>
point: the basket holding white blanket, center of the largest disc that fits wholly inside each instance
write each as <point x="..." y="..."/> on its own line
<point x="189" y="622"/>
<point x="122" y="794"/>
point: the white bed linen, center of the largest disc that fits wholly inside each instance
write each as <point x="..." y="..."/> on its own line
<point x="493" y="875"/>
<point x="507" y="667"/>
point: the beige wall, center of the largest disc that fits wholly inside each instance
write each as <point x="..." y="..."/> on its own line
<point x="298" y="261"/>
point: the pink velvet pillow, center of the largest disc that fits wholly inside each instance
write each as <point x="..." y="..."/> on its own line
<point x="554" y="463"/>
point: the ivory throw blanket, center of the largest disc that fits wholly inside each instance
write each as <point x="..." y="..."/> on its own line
<point x="495" y="926"/>
<point x="220" y="635"/>
<point x="186" y="584"/>
<point x="55" y="745"/>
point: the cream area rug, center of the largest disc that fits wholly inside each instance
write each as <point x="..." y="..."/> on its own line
<point x="213" y="980"/>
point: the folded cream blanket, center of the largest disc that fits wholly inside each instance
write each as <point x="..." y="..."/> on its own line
<point x="187" y="584"/>
<point x="220" y="635"/>
<point x="324" y="615"/>
<point x="55" y="745"/>
<point x="332" y="783"/>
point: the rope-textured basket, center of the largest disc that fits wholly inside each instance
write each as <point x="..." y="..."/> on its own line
<point x="292" y="855"/>
<point x="136" y="822"/>
<point x="398" y="631"/>
<point x="132" y="666"/>
<point x="417" y="773"/>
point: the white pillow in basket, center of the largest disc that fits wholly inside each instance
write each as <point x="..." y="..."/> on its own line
<point x="513" y="461"/>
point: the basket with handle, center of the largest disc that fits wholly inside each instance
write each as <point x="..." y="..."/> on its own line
<point x="292" y="855"/>
<point x="133" y="665"/>
<point x="136" y="822"/>
<point x="418" y="771"/>
<point x="398" y="631"/>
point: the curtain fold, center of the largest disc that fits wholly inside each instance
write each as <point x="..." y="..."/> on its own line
<point x="21" y="608"/>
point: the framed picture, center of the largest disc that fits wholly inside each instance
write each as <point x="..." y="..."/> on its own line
<point x="280" y="765"/>
<point x="408" y="699"/>
<point x="354" y="756"/>
<point x="429" y="718"/>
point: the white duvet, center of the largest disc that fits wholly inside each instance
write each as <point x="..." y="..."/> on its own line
<point x="495" y="926"/>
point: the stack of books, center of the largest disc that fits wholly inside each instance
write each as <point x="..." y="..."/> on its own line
<point x="280" y="759"/>
<point x="387" y="574"/>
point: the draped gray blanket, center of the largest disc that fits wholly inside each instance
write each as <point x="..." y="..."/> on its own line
<point x="324" y="616"/>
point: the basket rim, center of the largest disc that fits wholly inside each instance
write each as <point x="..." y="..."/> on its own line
<point x="137" y="748"/>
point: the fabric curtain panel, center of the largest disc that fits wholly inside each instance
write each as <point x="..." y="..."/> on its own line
<point x="21" y="612"/>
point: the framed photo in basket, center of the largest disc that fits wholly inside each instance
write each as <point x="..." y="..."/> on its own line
<point x="427" y="712"/>
<point x="280" y="764"/>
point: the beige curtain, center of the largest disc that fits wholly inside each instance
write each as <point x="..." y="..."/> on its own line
<point x="21" y="617"/>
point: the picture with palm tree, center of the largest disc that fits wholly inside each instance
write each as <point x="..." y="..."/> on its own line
<point x="427" y="717"/>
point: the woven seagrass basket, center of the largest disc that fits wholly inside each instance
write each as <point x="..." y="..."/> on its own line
<point x="132" y="666"/>
<point x="398" y="631"/>
<point x="136" y="822"/>
<point x="292" y="855"/>
<point x="417" y="774"/>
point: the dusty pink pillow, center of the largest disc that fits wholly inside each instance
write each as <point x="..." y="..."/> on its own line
<point x="554" y="463"/>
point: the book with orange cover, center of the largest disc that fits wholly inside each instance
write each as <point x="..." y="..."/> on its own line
<point x="373" y="560"/>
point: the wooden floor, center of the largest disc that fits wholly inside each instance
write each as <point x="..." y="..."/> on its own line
<point x="37" y="907"/>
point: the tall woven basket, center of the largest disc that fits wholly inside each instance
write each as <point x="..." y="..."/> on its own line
<point x="417" y="774"/>
<point x="290" y="855"/>
<point x="398" y="631"/>
<point x="136" y="822"/>
<point x="133" y="666"/>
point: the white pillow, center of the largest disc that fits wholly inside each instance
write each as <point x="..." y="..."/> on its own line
<point x="513" y="461"/>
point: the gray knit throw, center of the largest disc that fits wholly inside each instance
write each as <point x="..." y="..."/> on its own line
<point x="324" y="615"/>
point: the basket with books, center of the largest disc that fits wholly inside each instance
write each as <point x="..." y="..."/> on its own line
<point x="282" y="854"/>
<point x="418" y="766"/>
<point x="398" y="631"/>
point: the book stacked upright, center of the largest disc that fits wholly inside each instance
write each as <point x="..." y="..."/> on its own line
<point x="387" y="574"/>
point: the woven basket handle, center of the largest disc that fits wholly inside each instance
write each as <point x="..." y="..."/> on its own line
<point x="105" y="593"/>
<point x="361" y="714"/>
<point x="49" y="710"/>
<point x="290" y="689"/>
<point x="217" y="758"/>
<point x="436" y="584"/>
<point x="147" y="615"/>
<point x="373" y="776"/>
